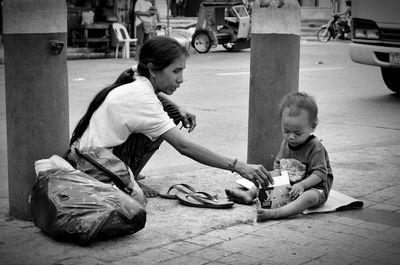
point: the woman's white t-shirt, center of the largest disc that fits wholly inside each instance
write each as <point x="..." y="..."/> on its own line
<point x="130" y="108"/>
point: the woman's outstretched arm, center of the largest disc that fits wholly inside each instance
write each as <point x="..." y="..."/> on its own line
<point x="255" y="173"/>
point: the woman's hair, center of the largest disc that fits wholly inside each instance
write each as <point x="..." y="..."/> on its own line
<point x="297" y="102"/>
<point x="125" y="77"/>
<point x="160" y="51"/>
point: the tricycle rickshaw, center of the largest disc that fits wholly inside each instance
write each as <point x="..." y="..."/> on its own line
<point x="222" y="22"/>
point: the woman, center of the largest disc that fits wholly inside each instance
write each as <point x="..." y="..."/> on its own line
<point x="131" y="119"/>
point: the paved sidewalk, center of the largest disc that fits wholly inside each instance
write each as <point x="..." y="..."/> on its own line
<point x="177" y="234"/>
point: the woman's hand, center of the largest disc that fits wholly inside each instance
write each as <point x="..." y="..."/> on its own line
<point x="255" y="173"/>
<point x="188" y="119"/>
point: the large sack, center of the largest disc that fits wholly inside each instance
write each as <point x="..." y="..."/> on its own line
<point x="103" y="165"/>
<point x="70" y="205"/>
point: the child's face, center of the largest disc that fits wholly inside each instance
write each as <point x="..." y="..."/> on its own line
<point x="296" y="129"/>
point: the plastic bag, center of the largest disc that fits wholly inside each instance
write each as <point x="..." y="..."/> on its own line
<point x="103" y="165"/>
<point x="73" y="206"/>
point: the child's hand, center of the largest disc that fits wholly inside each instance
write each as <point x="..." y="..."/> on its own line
<point x="296" y="190"/>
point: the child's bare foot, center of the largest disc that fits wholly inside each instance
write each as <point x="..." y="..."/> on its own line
<point x="265" y="214"/>
<point x="241" y="196"/>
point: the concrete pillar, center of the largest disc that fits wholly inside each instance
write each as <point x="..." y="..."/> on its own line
<point x="274" y="72"/>
<point x="36" y="82"/>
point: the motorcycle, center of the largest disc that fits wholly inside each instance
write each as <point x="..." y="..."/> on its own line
<point x="331" y="30"/>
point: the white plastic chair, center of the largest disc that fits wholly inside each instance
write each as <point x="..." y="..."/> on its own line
<point x="122" y="36"/>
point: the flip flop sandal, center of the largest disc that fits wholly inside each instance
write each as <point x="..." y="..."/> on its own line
<point x="202" y="200"/>
<point x="180" y="188"/>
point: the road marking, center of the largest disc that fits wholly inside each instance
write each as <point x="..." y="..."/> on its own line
<point x="301" y="70"/>
<point x="233" y="73"/>
<point x="321" y="69"/>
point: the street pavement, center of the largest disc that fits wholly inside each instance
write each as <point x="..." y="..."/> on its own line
<point x="178" y="234"/>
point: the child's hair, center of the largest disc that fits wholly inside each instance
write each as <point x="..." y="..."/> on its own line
<point x="300" y="101"/>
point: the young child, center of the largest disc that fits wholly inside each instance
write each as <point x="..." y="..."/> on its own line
<point x="302" y="155"/>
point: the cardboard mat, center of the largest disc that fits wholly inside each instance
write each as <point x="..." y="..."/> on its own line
<point x="337" y="202"/>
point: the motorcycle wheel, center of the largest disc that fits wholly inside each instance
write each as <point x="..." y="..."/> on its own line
<point x="201" y="42"/>
<point x="324" y="35"/>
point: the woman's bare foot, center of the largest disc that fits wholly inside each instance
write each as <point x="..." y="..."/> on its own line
<point x="241" y="196"/>
<point x="266" y="214"/>
<point x="147" y="191"/>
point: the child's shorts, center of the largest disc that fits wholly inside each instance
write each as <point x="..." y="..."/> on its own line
<point x="323" y="197"/>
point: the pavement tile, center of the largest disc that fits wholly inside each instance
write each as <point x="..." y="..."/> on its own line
<point x="394" y="248"/>
<point x="364" y="262"/>
<point x="345" y="240"/>
<point x="321" y="233"/>
<point x="366" y="248"/>
<point x="262" y="252"/>
<point x="243" y="228"/>
<point x="241" y="243"/>
<point x="157" y="255"/>
<point x="225" y="234"/>
<point x="361" y="232"/>
<point x="183" y="247"/>
<point x="337" y="258"/>
<point x="136" y="260"/>
<point x="395" y="200"/>
<point x="335" y="227"/>
<point x="389" y="192"/>
<point x="347" y="221"/>
<point x="387" y="258"/>
<point x="290" y="259"/>
<point x="300" y="238"/>
<point x="210" y="253"/>
<point x="386" y="207"/>
<point x="321" y="247"/>
<point x="215" y="263"/>
<point x="374" y="226"/>
<point x="391" y="235"/>
<point x="186" y="260"/>
<point x="374" y="198"/>
<point x="238" y="259"/>
<point x="205" y="240"/>
<point x="271" y="249"/>
<point x="318" y="262"/>
<point x="81" y="261"/>
<point x="314" y="251"/>
<point x="368" y="203"/>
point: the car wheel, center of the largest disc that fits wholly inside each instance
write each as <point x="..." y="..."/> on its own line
<point x="201" y="42"/>
<point x="391" y="78"/>
<point x="323" y="35"/>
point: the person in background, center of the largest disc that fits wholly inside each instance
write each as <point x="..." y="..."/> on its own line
<point x="180" y="7"/>
<point x="343" y="25"/>
<point x="144" y="22"/>
<point x="156" y="18"/>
